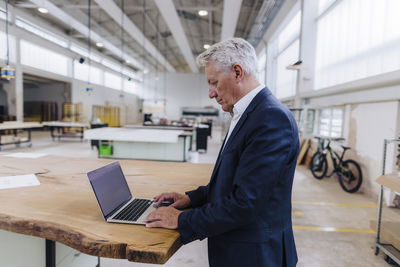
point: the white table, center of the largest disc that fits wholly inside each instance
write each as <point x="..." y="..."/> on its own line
<point x="14" y="139"/>
<point x="60" y="127"/>
<point x="148" y="144"/>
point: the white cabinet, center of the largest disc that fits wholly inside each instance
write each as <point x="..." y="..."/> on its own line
<point x="17" y="250"/>
<point x="68" y="257"/>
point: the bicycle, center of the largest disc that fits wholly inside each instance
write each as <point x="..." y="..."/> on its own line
<point x="348" y="171"/>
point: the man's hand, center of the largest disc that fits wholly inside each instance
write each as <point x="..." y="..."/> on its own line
<point x="164" y="217"/>
<point x="179" y="201"/>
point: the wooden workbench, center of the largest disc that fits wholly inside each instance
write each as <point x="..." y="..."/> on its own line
<point x="63" y="207"/>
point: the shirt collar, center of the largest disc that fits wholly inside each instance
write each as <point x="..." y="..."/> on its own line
<point x="244" y="102"/>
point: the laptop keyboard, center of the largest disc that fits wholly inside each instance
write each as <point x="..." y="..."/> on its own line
<point x="134" y="210"/>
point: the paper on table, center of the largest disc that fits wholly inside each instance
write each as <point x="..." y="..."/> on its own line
<point x="26" y="155"/>
<point x="18" y="181"/>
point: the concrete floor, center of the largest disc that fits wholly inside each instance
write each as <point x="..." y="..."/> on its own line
<point x="331" y="226"/>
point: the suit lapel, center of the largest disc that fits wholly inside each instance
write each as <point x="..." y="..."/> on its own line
<point x="238" y="126"/>
<point x="244" y="116"/>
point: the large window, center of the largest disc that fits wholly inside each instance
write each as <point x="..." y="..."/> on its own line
<point x="44" y="59"/>
<point x="282" y="52"/>
<point x="286" y="79"/>
<point x="81" y="73"/>
<point x="112" y="80"/>
<point x="330" y="122"/>
<point x="20" y="22"/>
<point x="131" y="87"/>
<point x="356" y="39"/>
<point x="3" y="15"/>
<point x="261" y="66"/>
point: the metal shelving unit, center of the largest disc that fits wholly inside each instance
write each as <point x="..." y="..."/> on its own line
<point x="388" y="249"/>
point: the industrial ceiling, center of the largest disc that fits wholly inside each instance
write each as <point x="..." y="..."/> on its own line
<point x="161" y="35"/>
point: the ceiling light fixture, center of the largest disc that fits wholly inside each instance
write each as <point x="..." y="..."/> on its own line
<point x="98" y="44"/>
<point x="206" y="46"/>
<point x="203" y="13"/>
<point x="43" y="10"/>
<point x="295" y="66"/>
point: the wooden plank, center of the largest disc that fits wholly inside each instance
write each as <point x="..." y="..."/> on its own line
<point x="63" y="208"/>
<point x="303" y="150"/>
<point x="391" y="181"/>
<point x="390" y="232"/>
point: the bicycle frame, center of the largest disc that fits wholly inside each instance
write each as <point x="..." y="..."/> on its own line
<point x="334" y="156"/>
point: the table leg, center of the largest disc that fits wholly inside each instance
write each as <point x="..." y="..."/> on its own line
<point x="29" y="135"/>
<point x="82" y="130"/>
<point x="50" y="253"/>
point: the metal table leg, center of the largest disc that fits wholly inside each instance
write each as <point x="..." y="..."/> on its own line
<point x="50" y="253"/>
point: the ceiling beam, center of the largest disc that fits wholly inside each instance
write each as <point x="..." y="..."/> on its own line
<point x="115" y="13"/>
<point x="83" y="29"/>
<point x="230" y="18"/>
<point x="168" y="11"/>
<point x="131" y="7"/>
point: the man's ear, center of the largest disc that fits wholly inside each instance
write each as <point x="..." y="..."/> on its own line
<point x="238" y="70"/>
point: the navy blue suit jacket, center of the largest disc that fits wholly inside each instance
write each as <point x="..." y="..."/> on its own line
<point x="245" y="210"/>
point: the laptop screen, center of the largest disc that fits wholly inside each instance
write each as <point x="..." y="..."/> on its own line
<point x="110" y="187"/>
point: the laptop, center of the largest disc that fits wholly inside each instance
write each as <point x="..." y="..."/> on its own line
<point x="115" y="198"/>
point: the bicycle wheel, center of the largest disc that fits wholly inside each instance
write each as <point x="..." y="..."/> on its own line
<point x="350" y="176"/>
<point x="319" y="165"/>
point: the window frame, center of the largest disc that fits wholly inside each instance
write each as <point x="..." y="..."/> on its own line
<point x="330" y="131"/>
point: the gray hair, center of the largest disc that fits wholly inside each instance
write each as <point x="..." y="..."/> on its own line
<point x="229" y="52"/>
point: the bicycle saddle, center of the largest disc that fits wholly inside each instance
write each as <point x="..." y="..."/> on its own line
<point x="346" y="147"/>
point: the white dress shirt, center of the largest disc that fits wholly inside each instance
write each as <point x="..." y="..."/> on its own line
<point x="240" y="107"/>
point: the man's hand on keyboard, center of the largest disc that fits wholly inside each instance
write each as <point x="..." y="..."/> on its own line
<point x="179" y="201"/>
<point x="163" y="217"/>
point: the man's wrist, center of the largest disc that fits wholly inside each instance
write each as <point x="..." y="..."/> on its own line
<point x="189" y="203"/>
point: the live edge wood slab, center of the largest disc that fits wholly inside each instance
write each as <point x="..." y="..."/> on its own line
<point x="63" y="207"/>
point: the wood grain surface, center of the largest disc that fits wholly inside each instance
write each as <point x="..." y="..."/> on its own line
<point x="64" y="209"/>
<point x="391" y="181"/>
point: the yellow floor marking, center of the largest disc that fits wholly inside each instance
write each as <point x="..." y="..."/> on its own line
<point x="335" y="204"/>
<point x="298" y="213"/>
<point x="332" y="229"/>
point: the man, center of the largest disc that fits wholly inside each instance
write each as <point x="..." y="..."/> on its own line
<point x="245" y="210"/>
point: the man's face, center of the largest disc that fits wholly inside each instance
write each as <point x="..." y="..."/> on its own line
<point x="221" y="86"/>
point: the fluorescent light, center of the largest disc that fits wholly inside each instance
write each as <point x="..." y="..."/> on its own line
<point x="206" y="46"/>
<point x="98" y="44"/>
<point x="203" y="13"/>
<point x="43" y="10"/>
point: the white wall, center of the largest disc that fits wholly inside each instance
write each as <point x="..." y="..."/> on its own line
<point x="101" y="95"/>
<point x="370" y="124"/>
<point x="182" y="90"/>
